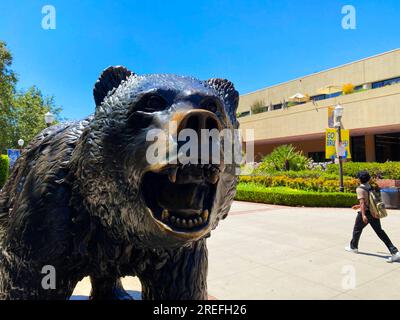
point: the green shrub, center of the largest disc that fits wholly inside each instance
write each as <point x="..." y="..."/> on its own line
<point x="284" y="158"/>
<point x="314" y="173"/>
<point x="322" y="183"/>
<point x="4" y="169"/>
<point x="286" y="196"/>
<point x="258" y="107"/>
<point x="291" y="104"/>
<point x="387" y="170"/>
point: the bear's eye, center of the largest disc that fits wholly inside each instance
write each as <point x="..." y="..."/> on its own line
<point x="151" y="103"/>
<point x="209" y="104"/>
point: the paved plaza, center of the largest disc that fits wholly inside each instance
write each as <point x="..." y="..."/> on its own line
<point x="274" y="252"/>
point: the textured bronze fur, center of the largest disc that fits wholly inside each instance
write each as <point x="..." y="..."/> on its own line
<point x="74" y="200"/>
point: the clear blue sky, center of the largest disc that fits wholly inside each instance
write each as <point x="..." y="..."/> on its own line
<point x="253" y="43"/>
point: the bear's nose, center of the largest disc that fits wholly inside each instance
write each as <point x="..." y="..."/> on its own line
<point x="198" y="120"/>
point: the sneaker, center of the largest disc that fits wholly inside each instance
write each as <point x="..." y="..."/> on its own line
<point x="394" y="258"/>
<point x="350" y="249"/>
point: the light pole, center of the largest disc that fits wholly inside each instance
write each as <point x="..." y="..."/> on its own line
<point x="20" y="144"/>
<point x="338" y="124"/>
<point x="49" y="119"/>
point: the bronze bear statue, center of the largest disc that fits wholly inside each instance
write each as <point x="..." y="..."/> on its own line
<point x="83" y="199"/>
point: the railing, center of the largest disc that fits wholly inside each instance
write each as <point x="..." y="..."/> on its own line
<point x="321" y="97"/>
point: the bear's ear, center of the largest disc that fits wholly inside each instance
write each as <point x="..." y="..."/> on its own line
<point x="109" y="79"/>
<point x="228" y="94"/>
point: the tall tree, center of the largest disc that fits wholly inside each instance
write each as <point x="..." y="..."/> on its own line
<point x="8" y="80"/>
<point x="29" y="108"/>
<point x="21" y="112"/>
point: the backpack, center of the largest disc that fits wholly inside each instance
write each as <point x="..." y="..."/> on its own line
<point x="376" y="206"/>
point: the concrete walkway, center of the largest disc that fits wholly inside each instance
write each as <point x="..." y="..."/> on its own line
<point x="274" y="252"/>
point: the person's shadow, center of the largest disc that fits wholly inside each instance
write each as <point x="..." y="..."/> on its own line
<point x="382" y="255"/>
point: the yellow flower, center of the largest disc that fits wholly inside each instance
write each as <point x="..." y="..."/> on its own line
<point x="348" y="88"/>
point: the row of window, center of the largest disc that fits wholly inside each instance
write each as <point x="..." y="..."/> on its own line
<point x="374" y="85"/>
<point x="380" y="84"/>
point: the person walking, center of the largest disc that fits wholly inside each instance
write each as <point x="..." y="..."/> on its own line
<point x="364" y="217"/>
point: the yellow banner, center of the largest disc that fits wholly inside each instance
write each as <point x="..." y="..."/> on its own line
<point x="331" y="117"/>
<point x="332" y="147"/>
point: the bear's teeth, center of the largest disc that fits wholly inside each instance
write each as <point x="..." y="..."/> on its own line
<point x="184" y="223"/>
<point x="172" y="174"/>
<point x="165" y="215"/>
<point x="204" y="215"/>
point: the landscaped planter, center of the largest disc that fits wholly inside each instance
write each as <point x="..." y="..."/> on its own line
<point x="391" y="198"/>
<point x="388" y="183"/>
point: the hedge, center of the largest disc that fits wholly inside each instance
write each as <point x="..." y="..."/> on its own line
<point x="313" y="173"/>
<point x="317" y="184"/>
<point x="387" y="170"/>
<point x="4" y="169"/>
<point x="285" y="196"/>
<point x="316" y="173"/>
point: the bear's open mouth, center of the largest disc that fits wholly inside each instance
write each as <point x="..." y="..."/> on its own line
<point x="181" y="196"/>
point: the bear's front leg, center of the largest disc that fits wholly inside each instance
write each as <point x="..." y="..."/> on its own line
<point x="108" y="288"/>
<point x="23" y="281"/>
<point x="183" y="276"/>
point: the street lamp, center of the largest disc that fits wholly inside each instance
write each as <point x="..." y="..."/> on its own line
<point x="338" y="115"/>
<point x="338" y="124"/>
<point x="21" y="144"/>
<point x="49" y="119"/>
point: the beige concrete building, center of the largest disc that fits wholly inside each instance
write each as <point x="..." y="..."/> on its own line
<point x="371" y="112"/>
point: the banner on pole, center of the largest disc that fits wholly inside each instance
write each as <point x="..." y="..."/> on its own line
<point x="331" y="117"/>
<point x="332" y="147"/>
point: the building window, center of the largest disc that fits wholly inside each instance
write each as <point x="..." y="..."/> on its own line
<point x="317" y="156"/>
<point x="377" y="84"/>
<point x="318" y="97"/>
<point x="334" y="95"/>
<point x="243" y="114"/>
<point x="383" y="83"/>
<point x="357" y="148"/>
<point x="387" y="147"/>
